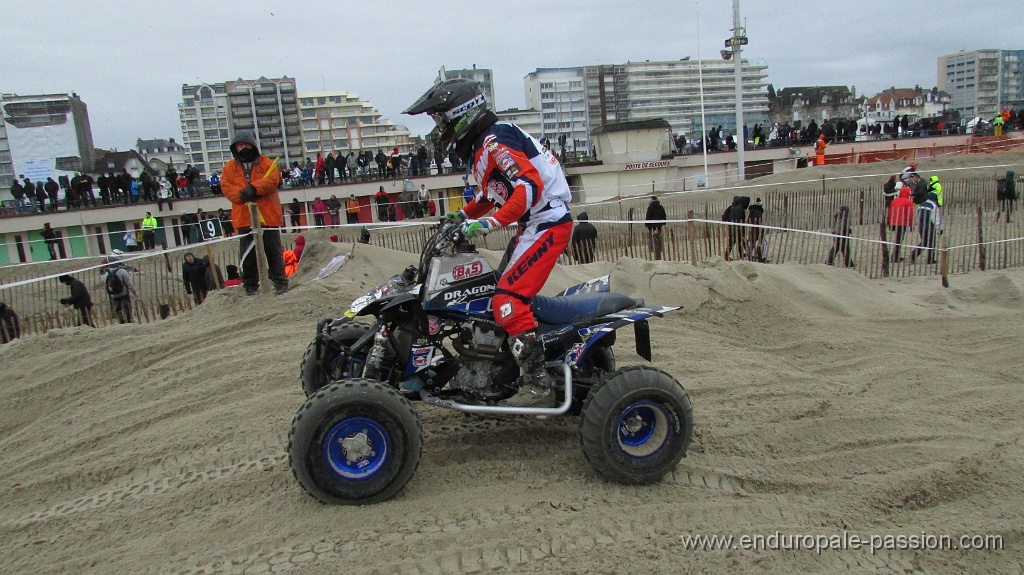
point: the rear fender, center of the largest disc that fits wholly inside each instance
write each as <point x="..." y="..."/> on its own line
<point x="637" y="317"/>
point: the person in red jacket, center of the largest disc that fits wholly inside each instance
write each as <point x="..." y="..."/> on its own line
<point x="901" y="217"/>
<point x="318" y="170"/>
<point x="252" y="177"/>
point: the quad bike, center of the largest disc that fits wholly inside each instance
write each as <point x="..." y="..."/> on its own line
<point x="433" y="338"/>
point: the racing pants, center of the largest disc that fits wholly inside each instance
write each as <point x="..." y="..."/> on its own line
<point x="527" y="271"/>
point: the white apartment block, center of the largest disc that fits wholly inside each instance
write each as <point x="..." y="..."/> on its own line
<point x="482" y="76"/>
<point x="528" y="120"/>
<point x="671" y="90"/>
<point x="983" y="82"/>
<point x="341" y="122"/>
<point x="561" y="97"/>
<point x="205" y="125"/>
<point x="573" y="101"/>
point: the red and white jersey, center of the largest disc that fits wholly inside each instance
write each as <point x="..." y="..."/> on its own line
<point x="520" y="176"/>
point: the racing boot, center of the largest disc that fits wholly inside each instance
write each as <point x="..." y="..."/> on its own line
<point x="535" y="384"/>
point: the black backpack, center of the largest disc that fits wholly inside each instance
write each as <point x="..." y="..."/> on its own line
<point x="115" y="286"/>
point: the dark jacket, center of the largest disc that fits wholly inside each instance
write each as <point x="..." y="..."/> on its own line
<point x="79" y="298"/>
<point x="194" y="274"/>
<point x="584" y="239"/>
<point x="655" y="211"/>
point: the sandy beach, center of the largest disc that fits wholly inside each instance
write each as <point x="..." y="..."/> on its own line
<point x="825" y="403"/>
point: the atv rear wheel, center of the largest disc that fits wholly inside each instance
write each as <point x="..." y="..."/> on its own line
<point x="355" y="442"/>
<point x="313" y="376"/>
<point x="636" y="425"/>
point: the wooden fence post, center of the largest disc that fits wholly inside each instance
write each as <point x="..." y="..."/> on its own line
<point x="691" y="237"/>
<point x="981" y="244"/>
<point x="885" y="252"/>
<point x="945" y="263"/>
<point x="261" y="260"/>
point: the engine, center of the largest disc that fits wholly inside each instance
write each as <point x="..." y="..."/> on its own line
<point x="487" y="370"/>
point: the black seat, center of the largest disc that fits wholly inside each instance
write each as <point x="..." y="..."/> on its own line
<point x="580" y="307"/>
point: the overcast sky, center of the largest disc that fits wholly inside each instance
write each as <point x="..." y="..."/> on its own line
<point x="128" y="60"/>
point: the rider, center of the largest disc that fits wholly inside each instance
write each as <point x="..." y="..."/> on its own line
<point x="526" y="183"/>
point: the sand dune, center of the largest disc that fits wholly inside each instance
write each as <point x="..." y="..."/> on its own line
<point x="824" y="402"/>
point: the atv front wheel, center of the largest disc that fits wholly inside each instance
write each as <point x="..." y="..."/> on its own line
<point x="636" y="425"/>
<point x="355" y="442"/>
<point x="315" y="372"/>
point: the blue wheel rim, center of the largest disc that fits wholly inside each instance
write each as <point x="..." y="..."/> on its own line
<point x="356" y="448"/>
<point x="643" y="428"/>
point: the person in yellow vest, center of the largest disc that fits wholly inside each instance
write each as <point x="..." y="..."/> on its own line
<point x="819" y="150"/>
<point x="997" y="124"/>
<point x="149" y="232"/>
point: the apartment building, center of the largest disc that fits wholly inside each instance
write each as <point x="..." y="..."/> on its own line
<point x="269" y="107"/>
<point x="528" y="120"/>
<point x="341" y="122"/>
<point x="482" y="76"/>
<point x="205" y="125"/>
<point x="573" y="101"/>
<point x="560" y="94"/>
<point x="982" y="82"/>
<point x="45" y="135"/>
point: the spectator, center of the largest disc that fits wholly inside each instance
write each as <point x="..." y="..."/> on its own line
<point x="352" y="163"/>
<point x="149" y="231"/>
<point x="381" y="161"/>
<point x="468" y="192"/>
<point x="901" y="217"/>
<point x="163" y="194"/>
<point x="584" y="240"/>
<point x="104" y="186"/>
<point x="214" y="277"/>
<point x="655" y="222"/>
<point x="300" y="246"/>
<point x="41" y="197"/>
<point x="757" y="248"/>
<point x="396" y="163"/>
<point x="841" y="242"/>
<point x="929" y="221"/>
<point x="329" y="165"/>
<point x="889" y="192"/>
<point x="10" y="325"/>
<point x="934" y="187"/>
<point x="133" y="191"/>
<point x="319" y="212"/>
<point x="193" y="273"/>
<point x="215" y="184"/>
<point x="51" y="240"/>
<point x="226" y="227"/>
<point x="334" y="210"/>
<point x="293" y="256"/>
<point x="131" y="243"/>
<point x="295" y="212"/>
<point x="406" y="202"/>
<point x="364" y="236"/>
<point x="736" y="213"/>
<point x="424" y="201"/>
<point x="1006" y="193"/>
<point x="382" y="200"/>
<point x="252" y="177"/>
<point x="79" y="299"/>
<point x="352" y="209"/>
<point x="18" y="193"/>
<point x="181" y="186"/>
<point x="318" y="169"/>
<point x="52" y="189"/>
<point x="233" y="279"/>
<point x="120" y="288"/>
<point x="819" y="150"/>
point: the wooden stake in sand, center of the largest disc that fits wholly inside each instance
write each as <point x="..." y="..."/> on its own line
<point x="213" y="267"/>
<point x="981" y="244"/>
<point x="257" y="240"/>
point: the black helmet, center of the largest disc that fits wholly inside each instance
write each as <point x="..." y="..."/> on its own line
<point x="456" y="106"/>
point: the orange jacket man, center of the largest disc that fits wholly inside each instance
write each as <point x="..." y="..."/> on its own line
<point x="819" y="150"/>
<point x="251" y="177"/>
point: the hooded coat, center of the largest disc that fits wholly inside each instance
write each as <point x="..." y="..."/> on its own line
<point x="261" y="174"/>
<point x="901" y="211"/>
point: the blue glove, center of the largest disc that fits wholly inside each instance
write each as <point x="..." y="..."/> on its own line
<point x="473" y="228"/>
<point x="455" y="217"/>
